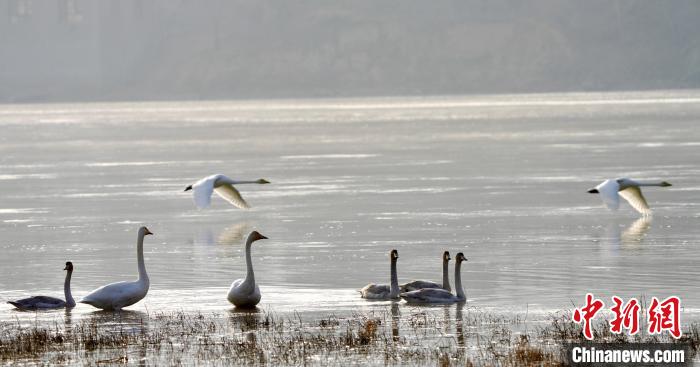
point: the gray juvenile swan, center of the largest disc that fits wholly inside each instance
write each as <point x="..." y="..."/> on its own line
<point x="223" y="186"/>
<point x="116" y="296"/>
<point x="611" y="190"/>
<point x="384" y="291"/>
<point x="420" y="284"/>
<point x="436" y="295"/>
<point x="244" y="292"/>
<point x="47" y="303"/>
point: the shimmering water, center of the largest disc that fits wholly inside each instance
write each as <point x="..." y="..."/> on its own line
<point x="501" y="178"/>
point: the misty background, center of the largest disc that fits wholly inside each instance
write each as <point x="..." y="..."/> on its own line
<point x="82" y="50"/>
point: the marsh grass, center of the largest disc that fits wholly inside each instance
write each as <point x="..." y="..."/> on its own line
<point x="386" y="337"/>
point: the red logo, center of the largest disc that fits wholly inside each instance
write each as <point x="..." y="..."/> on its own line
<point x="627" y="317"/>
<point x="586" y="313"/>
<point x="668" y="318"/>
<point x="662" y="316"/>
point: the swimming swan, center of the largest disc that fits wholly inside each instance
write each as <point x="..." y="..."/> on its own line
<point x="118" y="295"/>
<point x="611" y="190"/>
<point x="223" y="186"/>
<point x="244" y="292"/>
<point x="384" y="291"/>
<point x="420" y="284"/>
<point x="436" y="295"/>
<point x="46" y="303"/>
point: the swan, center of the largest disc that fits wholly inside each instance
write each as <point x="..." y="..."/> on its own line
<point x="437" y="295"/>
<point x="420" y="284"/>
<point x="45" y="302"/>
<point x="118" y="295"/>
<point x="223" y="186"/>
<point x="244" y="292"/>
<point x="611" y="190"/>
<point x="384" y="291"/>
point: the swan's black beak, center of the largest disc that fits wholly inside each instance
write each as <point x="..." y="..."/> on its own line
<point x="188" y="188"/>
<point x="665" y="184"/>
<point x="263" y="181"/>
<point x="148" y="232"/>
<point x="593" y="191"/>
<point x="262" y="237"/>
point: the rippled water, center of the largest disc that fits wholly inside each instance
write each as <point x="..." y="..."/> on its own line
<point x="501" y="178"/>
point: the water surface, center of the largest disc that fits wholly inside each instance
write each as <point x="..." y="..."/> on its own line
<point x="501" y="178"/>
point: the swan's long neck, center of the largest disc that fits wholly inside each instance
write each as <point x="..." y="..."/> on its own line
<point x="234" y="182"/>
<point x="446" y="276"/>
<point x="394" y="290"/>
<point x="70" y="302"/>
<point x="651" y="183"/>
<point x="250" y="276"/>
<point x="458" y="281"/>
<point x="143" y="276"/>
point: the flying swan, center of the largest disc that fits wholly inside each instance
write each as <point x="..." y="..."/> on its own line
<point x="47" y="303"/>
<point x="223" y="186"/>
<point x="384" y="291"/>
<point x="244" y="292"/>
<point x="420" y="284"/>
<point x="437" y="295"/>
<point x="118" y="295"/>
<point x="611" y="190"/>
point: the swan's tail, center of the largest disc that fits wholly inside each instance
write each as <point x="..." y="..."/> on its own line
<point x="16" y="304"/>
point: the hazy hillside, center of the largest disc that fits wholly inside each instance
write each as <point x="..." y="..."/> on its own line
<point x="134" y="49"/>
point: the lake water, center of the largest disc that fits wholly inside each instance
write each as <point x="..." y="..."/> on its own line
<point x="501" y="178"/>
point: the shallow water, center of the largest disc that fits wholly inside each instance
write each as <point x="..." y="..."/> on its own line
<point x="501" y="178"/>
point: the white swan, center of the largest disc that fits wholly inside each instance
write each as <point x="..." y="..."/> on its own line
<point x="420" y="284"/>
<point x="244" y="292"/>
<point x="118" y="295"/>
<point x="45" y="302"/>
<point x="611" y="190"/>
<point x="223" y="186"/>
<point x="437" y="295"/>
<point x="384" y="291"/>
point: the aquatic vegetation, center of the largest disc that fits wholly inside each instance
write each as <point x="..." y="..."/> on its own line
<point x="383" y="337"/>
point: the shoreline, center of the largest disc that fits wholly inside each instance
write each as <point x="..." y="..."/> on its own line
<point x="387" y="336"/>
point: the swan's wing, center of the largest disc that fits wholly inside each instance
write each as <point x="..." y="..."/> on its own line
<point x="428" y="295"/>
<point x="38" y="302"/>
<point x="418" y="284"/>
<point x="236" y="283"/>
<point x="108" y="292"/>
<point x="202" y="190"/>
<point x="634" y="196"/>
<point x="378" y="291"/>
<point x="608" y="192"/>
<point x="230" y="194"/>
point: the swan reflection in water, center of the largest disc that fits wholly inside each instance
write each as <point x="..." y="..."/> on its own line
<point x="121" y="321"/>
<point x="632" y="236"/>
<point x="231" y="235"/>
<point x="245" y="319"/>
<point x="395" y="320"/>
<point x="68" y="322"/>
<point x="635" y="233"/>
<point x="234" y="234"/>
<point x="443" y="324"/>
<point x="459" y="324"/>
